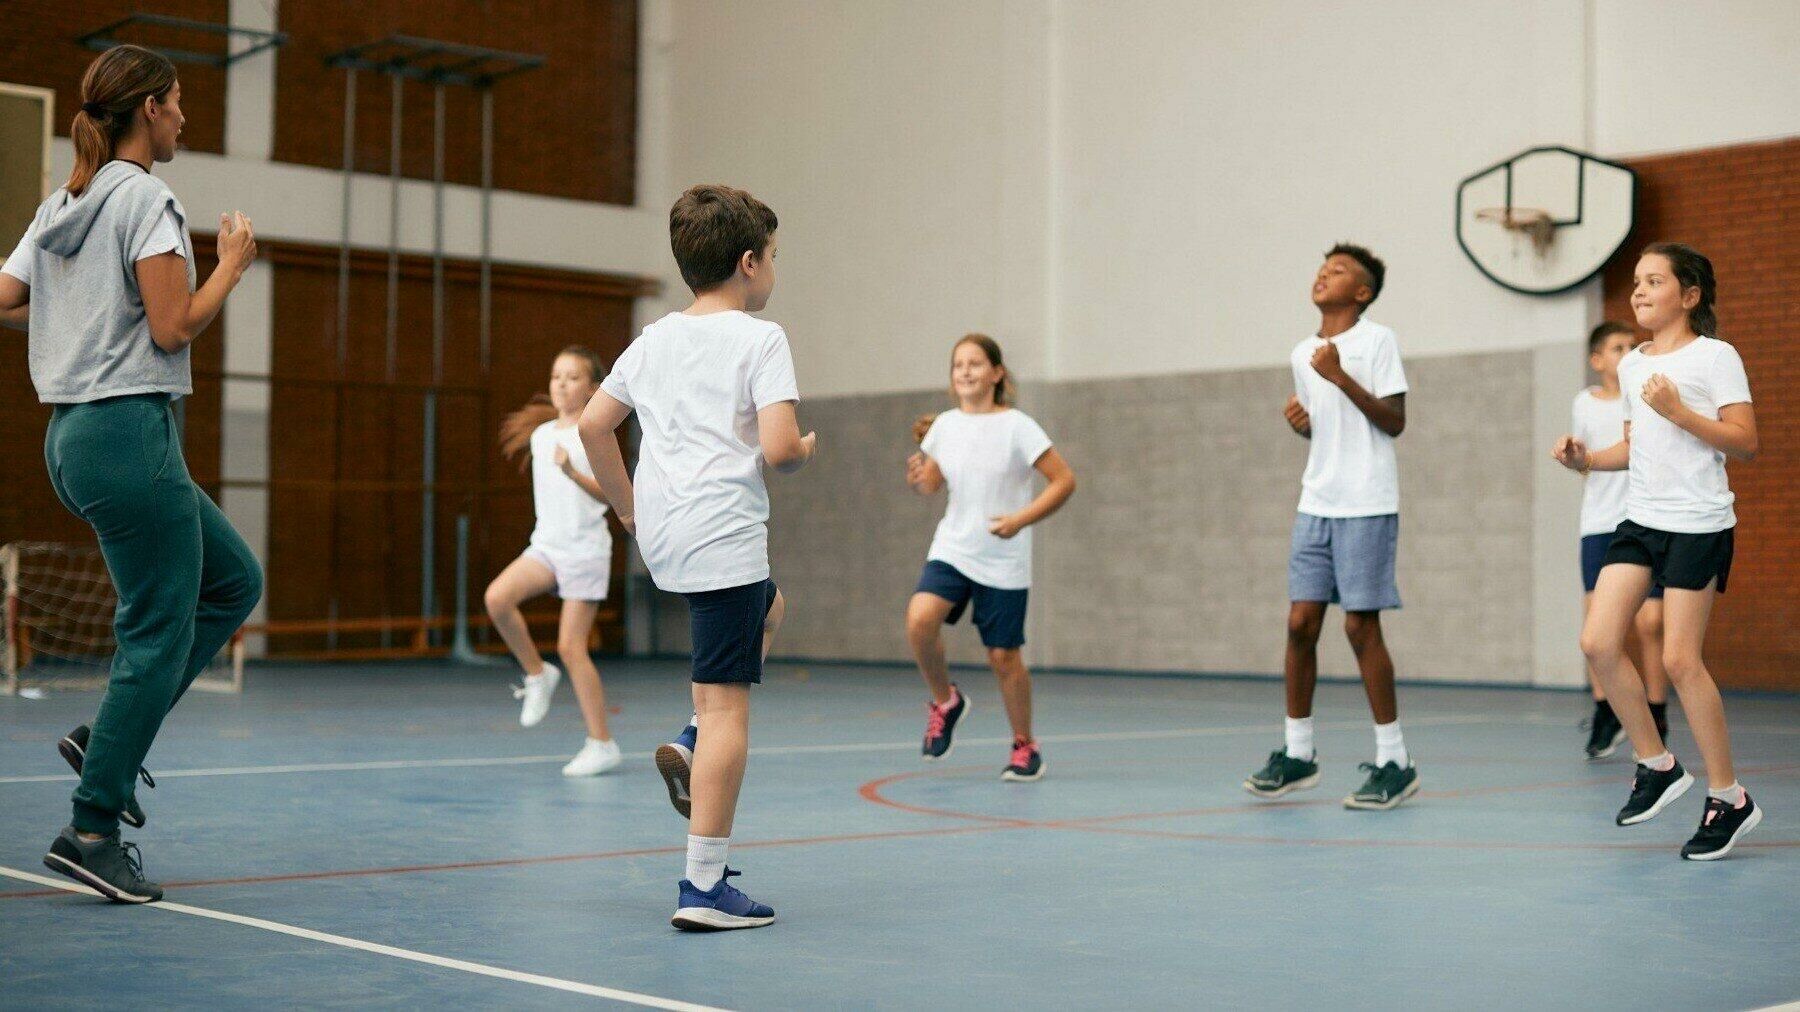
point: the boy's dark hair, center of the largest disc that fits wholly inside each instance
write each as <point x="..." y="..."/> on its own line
<point x="1606" y="330"/>
<point x="711" y="227"/>
<point x="1374" y="271"/>
<point x="1693" y="270"/>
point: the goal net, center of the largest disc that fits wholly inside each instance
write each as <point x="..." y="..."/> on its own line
<point x="57" y="628"/>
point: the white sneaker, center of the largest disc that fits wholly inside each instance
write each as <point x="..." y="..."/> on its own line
<point x="536" y="693"/>
<point x="595" y="758"/>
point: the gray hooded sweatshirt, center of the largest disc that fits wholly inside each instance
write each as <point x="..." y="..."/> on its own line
<point x="89" y="336"/>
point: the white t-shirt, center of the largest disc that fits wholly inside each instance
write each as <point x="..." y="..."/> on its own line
<point x="697" y="383"/>
<point x="569" y="521"/>
<point x="1677" y="481"/>
<point x="165" y="237"/>
<point x="1600" y="423"/>
<point x="1350" y="467"/>
<point x="988" y="462"/>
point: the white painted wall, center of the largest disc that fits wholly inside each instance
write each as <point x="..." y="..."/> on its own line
<point x="1672" y="75"/>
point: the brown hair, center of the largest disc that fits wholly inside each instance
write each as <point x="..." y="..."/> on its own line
<point x="1005" y="392"/>
<point x="112" y="89"/>
<point x="517" y="427"/>
<point x="1606" y="330"/>
<point x="711" y="228"/>
<point x="1692" y="270"/>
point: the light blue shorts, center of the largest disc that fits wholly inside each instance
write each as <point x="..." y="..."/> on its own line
<point x="1346" y="561"/>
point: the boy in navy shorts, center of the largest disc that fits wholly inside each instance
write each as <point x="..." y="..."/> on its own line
<point x="714" y="392"/>
<point x="1350" y="402"/>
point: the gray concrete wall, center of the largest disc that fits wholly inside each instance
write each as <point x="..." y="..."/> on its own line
<point x="1173" y="553"/>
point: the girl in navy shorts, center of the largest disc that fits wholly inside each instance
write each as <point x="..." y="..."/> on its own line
<point x="986" y="452"/>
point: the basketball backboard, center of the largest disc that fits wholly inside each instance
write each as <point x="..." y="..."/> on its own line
<point x="1546" y="219"/>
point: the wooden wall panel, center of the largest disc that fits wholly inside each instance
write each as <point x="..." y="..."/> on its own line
<point x="347" y="461"/>
<point x="566" y="129"/>
<point x="1738" y="205"/>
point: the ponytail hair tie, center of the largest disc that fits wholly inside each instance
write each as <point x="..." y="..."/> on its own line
<point x="93" y="109"/>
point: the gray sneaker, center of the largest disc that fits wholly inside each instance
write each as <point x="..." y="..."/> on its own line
<point x="109" y="866"/>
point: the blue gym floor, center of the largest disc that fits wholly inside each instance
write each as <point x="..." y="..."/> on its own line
<point x="388" y="835"/>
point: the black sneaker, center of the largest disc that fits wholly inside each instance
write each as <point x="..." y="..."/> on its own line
<point x="74" y="750"/>
<point x="1027" y="762"/>
<point x="1605" y="733"/>
<point x="108" y="866"/>
<point x="1283" y="773"/>
<point x="1652" y="791"/>
<point x="1387" y="786"/>
<point x="940" y="725"/>
<point x="1659" y="712"/>
<point x="1720" y="828"/>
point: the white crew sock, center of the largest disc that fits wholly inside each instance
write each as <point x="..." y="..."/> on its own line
<point x="1390" y="747"/>
<point x="706" y="860"/>
<point x="1732" y="795"/>
<point x="694" y="720"/>
<point x="1660" y="763"/>
<point x="1300" y="738"/>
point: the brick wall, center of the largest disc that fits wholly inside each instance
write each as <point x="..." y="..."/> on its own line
<point x="1740" y="206"/>
<point x="566" y="129"/>
<point x="38" y="47"/>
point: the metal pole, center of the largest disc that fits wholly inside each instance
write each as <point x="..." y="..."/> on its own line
<point x="428" y="510"/>
<point x="487" y="222"/>
<point x="393" y="268"/>
<point x="462" y="647"/>
<point x="343" y="289"/>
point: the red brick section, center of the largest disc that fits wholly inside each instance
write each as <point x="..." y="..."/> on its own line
<point x="1740" y="206"/>
<point x="38" y="47"/>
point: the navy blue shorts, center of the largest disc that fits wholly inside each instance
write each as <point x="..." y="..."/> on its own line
<point x="999" y="614"/>
<point x="1593" y="559"/>
<point x="727" y="628"/>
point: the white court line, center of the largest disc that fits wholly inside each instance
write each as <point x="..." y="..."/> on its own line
<point x="554" y="983"/>
<point x="881" y="746"/>
<point x="1791" y="1006"/>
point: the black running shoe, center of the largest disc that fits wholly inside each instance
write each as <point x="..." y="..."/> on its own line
<point x="1652" y="791"/>
<point x="1027" y="762"/>
<point x="108" y="866"/>
<point x="74" y="750"/>
<point x="1659" y="712"/>
<point x="1283" y="774"/>
<point x="1605" y="733"/>
<point x="1720" y="829"/>
<point x="940" y="725"/>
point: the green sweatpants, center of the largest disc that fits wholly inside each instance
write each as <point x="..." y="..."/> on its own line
<point x="184" y="577"/>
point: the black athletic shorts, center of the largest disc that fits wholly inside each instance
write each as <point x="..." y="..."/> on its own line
<point x="1682" y="561"/>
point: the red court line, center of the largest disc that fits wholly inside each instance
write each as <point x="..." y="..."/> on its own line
<point x="871" y="791"/>
<point x="514" y="862"/>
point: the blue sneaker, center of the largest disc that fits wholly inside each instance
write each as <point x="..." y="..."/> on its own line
<point x="721" y="908"/>
<point x="675" y="761"/>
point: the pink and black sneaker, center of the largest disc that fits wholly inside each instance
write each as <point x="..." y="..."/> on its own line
<point x="940" y="724"/>
<point x="1027" y="762"/>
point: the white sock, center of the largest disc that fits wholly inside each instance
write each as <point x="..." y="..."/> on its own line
<point x="546" y="669"/>
<point x="694" y="720"/>
<point x="602" y="742"/>
<point x="1300" y="738"/>
<point x="1660" y="763"/>
<point x="949" y="704"/>
<point x="1732" y="795"/>
<point x="706" y="860"/>
<point x="1389" y="746"/>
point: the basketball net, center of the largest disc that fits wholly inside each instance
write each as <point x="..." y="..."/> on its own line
<point x="1534" y="222"/>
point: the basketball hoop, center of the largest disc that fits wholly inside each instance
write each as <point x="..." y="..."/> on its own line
<point x="1535" y="222"/>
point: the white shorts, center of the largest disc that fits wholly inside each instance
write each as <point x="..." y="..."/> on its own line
<point x="578" y="577"/>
